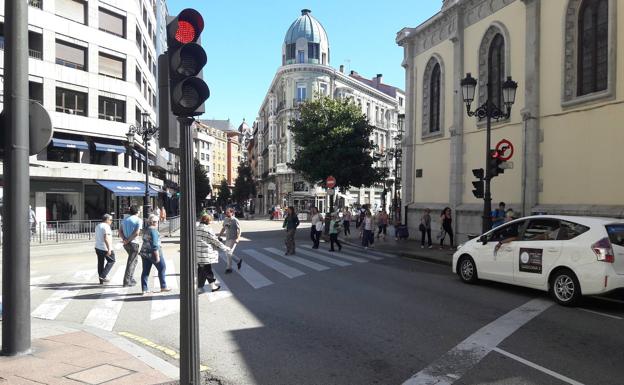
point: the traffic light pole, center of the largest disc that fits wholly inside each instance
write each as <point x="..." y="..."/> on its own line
<point x="189" y="329"/>
<point x="16" y="230"/>
<point x="487" y="195"/>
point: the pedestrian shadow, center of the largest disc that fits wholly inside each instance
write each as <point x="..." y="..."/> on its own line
<point x="73" y="286"/>
<point x="139" y="297"/>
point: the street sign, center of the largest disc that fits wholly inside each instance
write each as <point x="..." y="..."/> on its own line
<point x="505" y="150"/>
<point x="330" y="182"/>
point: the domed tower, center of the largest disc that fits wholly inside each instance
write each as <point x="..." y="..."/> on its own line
<point x="305" y="42"/>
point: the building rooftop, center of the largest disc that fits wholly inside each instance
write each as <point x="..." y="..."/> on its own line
<point x="306" y="26"/>
<point x="376" y="83"/>
<point x="219" y="124"/>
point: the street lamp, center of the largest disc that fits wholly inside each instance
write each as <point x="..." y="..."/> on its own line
<point x="488" y="111"/>
<point x="146" y="131"/>
<point x="398" y="165"/>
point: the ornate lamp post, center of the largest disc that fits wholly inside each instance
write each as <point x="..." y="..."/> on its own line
<point x="146" y="131"/>
<point x="488" y="111"/>
<point x="398" y="168"/>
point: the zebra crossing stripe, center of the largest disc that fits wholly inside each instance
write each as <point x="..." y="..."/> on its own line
<point x="302" y="261"/>
<point x="338" y="255"/>
<point x="163" y="306"/>
<point x="106" y="309"/>
<point x="288" y="271"/>
<point x="323" y="258"/>
<point x="222" y="293"/>
<point x="250" y="275"/>
<point x="56" y="303"/>
<point x="369" y="251"/>
<point x="361" y="254"/>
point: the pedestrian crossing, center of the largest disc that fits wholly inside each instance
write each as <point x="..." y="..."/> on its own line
<point x="101" y="305"/>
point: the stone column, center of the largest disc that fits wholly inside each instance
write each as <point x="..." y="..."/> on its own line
<point x="409" y="125"/>
<point x="530" y="113"/>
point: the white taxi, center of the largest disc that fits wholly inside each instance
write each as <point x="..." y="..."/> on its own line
<point x="567" y="256"/>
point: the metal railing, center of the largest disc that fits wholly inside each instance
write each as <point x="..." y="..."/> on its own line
<point x="84" y="230"/>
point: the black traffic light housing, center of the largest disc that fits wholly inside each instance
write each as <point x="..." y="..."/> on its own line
<point x="478" y="190"/>
<point x="495" y="163"/>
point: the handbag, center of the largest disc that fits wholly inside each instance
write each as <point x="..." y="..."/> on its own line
<point x="422" y="228"/>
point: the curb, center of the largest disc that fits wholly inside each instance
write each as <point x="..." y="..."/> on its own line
<point x="408" y="255"/>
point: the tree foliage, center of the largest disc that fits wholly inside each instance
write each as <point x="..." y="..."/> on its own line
<point x="333" y="138"/>
<point x="202" y="184"/>
<point x="244" y="185"/>
<point x="225" y="195"/>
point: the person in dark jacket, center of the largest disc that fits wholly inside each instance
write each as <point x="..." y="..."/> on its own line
<point x="291" y="222"/>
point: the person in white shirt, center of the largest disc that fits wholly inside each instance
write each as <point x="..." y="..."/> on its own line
<point x="104" y="247"/>
<point x="317" y="227"/>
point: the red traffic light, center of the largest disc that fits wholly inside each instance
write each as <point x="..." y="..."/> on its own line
<point x="184" y="28"/>
<point x="185" y="33"/>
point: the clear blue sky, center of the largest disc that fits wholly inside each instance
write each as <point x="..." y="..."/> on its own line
<point x="243" y="40"/>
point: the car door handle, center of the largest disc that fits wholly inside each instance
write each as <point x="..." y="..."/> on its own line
<point x="508" y="249"/>
<point x="552" y="250"/>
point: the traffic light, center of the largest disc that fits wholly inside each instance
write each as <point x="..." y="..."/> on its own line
<point x="186" y="59"/>
<point x="478" y="190"/>
<point x="495" y="164"/>
<point x="169" y="135"/>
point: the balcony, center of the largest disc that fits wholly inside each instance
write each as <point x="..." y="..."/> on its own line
<point x="70" y="64"/>
<point x="36" y="3"/>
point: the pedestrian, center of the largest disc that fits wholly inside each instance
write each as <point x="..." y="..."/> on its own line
<point x="291" y="222"/>
<point x="368" y="234"/>
<point x="425" y="229"/>
<point x="316" y="228"/>
<point x="382" y="223"/>
<point x="157" y="212"/>
<point x="498" y="215"/>
<point x="232" y="230"/>
<point x="129" y="234"/>
<point x="447" y="228"/>
<point x="207" y="255"/>
<point x="334" y="229"/>
<point x="32" y="220"/>
<point x="346" y="222"/>
<point x="271" y="211"/>
<point x="163" y="214"/>
<point x="104" y="247"/>
<point x="510" y="215"/>
<point x="152" y="254"/>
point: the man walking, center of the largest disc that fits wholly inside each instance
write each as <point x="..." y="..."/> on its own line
<point x="231" y="228"/>
<point x="32" y="220"/>
<point x="104" y="247"/>
<point x="129" y="233"/>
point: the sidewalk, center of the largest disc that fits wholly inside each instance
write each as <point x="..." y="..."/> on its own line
<point x="408" y="248"/>
<point x="64" y="353"/>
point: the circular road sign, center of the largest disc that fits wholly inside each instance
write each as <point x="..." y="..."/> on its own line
<point x="505" y="150"/>
<point x="330" y="182"/>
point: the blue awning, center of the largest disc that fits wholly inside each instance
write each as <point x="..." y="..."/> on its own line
<point x="139" y="155"/>
<point x="109" y="148"/>
<point x="126" y="188"/>
<point x="66" y="143"/>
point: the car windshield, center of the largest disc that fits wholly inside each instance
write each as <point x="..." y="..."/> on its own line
<point x="510" y="230"/>
<point x="616" y="233"/>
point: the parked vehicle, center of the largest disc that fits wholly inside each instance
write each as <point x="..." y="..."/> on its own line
<point x="567" y="256"/>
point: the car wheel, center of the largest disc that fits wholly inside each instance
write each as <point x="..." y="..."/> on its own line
<point x="565" y="288"/>
<point x="467" y="269"/>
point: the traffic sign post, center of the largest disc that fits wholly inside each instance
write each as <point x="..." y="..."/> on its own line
<point x="330" y="182"/>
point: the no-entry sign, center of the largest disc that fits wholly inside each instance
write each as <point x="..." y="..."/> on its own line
<point x="330" y="182"/>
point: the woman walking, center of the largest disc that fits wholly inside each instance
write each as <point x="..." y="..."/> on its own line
<point x="447" y="227"/>
<point x="151" y="254"/>
<point x="346" y="222"/>
<point x="382" y="223"/>
<point x="291" y="222"/>
<point x="425" y="228"/>
<point x="334" y="229"/>
<point x="317" y="227"/>
<point x="207" y="255"/>
<point x="368" y="234"/>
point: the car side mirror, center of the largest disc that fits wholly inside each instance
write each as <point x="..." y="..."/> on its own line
<point x="483" y="239"/>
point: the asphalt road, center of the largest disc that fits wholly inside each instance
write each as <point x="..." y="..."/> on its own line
<point x="365" y="318"/>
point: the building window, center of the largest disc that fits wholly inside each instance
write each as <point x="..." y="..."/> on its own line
<point x="35" y="91"/>
<point x="72" y="9"/>
<point x="112" y="23"/>
<point x="323" y="88"/>
<point x="71" y="102"/>
<point x="593" y="55"/>
<point x="496" y="70"/>
<point x="301" y="92"/>
<point x="290" y="51"/>
<point x="314" y="51"/>
<point x="433" y="97"/>
<point x="71" y="55"/>
<point x="112" y="66"/>
<point x="111" y="109"/>
<point x="301" y="56"/>
<point x="138" y="77"/>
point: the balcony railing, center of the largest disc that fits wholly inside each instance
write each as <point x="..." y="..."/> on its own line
<point x="33" y="53"/>
<point x="36" y="3"/>
<point x="70" y="64"/>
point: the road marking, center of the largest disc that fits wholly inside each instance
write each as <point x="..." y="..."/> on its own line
<point x="56" y="303"/>
<point x="459" y="360"/>
<point x="302" y="261"/>
<point x="37" y="281"/>
<point x="223" y="292"/>
<point x="337" y="254"/>
<point x="608" y="299"/>
<point x="324" y="258"/>
<point x="106" y="309"/>
<point x="381" y="253"/>
<point x="163" y="306"/>
<point x="251" y="275"/>
<point x="599" y="313"/>
<point x="168" y="351"/>
<point x="288" y="271"/>
<point x="538" y="367"/>
<point x="360" y="254"/>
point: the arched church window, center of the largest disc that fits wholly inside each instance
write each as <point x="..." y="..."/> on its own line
<point x="433" y="98"/>
<point x="496" y="70"/>
<point x="434" y="106"/>
<point x="593" y="63"/>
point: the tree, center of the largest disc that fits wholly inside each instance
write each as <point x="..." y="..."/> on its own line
<point x="202" y="184"/>
<point x="333" y="138"/>
<point x="224" y="194"/>
<point x="244" y="185"/>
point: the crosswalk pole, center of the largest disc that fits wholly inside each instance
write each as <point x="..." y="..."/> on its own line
<point x="189" y="330"/>
<point x="16" y="229"/>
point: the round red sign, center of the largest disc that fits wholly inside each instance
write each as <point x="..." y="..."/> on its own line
<point x="330" y="182"/>
<point x="505" y="150"/>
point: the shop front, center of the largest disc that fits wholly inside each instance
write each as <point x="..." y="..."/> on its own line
<point x="124" y="194"/>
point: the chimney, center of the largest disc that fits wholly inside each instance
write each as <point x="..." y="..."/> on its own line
<point x="305" y="12"/>
<point x="342" y="68"/>
<point x="378" y="79"/>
